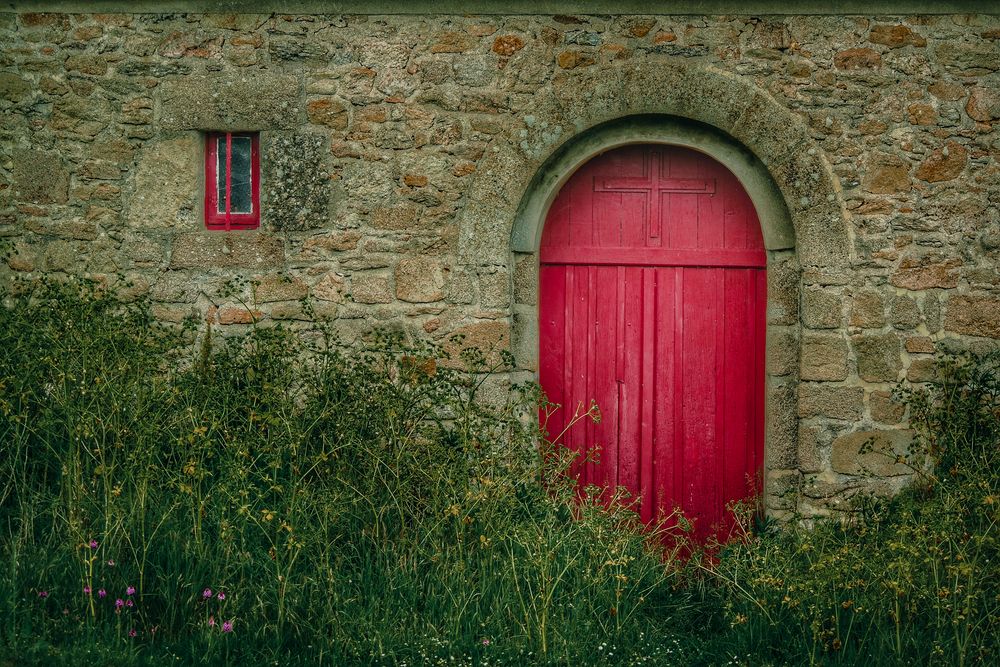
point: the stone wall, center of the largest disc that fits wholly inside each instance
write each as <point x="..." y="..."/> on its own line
<point x="397" y="152"/>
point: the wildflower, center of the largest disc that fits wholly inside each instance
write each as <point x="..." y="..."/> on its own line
<point x="129" y="603"/>
<point x="93" y="544"/>
<point x="486" y="642"/>
<point x="43" y="594"/>
<point x="130" y="590"/>
<point x="207" y="593"/>
<point x="101" y="593"/>
<point x="111" y="562"/>
<point x="86" y="590"/>
<point x="211" y="621"/>
<point x="221" y="595"/>
<point x="132" y="633"/>
<point x="119" y="603"/>
<point x="227" y="626"/>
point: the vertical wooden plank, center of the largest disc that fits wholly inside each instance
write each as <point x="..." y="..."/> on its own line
<point x="700" y="314"/>
<point x="648" y="347"/>
<point x="606" y="358"/>
<point x="588" y="329"/>
<point x="654" y="200"/>
<point x="569" y="358"/>
<point x="760" y="348"/>
<point x="631" y="404"/>
<point x="551" y="328"/>
<point x="581" y="212"/>
<point x="711" y="219"/>
<point x="659" y="218"/>
<point x="609" y="218"/>
<point x="634" y="211"/>
<point x="578" y="379"/>
<point x="735" y="221"/>
<point x="716" y="447"/>
<point x="679" y="389"/>
<point x="621" y="352"/>
<point x="739" y="364"/>
<point x="664" y="396"/>
<point x="683" y="226"/>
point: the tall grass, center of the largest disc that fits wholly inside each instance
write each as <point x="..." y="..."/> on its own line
<point x="914" y="580"/>
<point x="167" y="495"/>
<point x="358" y="507"/>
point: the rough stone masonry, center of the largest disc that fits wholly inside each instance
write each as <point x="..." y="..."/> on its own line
<point x="397" y="149"/>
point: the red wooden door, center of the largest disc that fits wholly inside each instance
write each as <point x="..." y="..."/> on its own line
<point x="652" y="302"/>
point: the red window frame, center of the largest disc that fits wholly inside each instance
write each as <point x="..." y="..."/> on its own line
<point x="227" y="220"/>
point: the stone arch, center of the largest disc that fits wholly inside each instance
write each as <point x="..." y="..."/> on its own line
<point x="660" y="88"/>
<point x="797" y="196"/>
<point x="776" y="223"/>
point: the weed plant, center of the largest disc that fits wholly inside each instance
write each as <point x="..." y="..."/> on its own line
<point x="272" y="499"/>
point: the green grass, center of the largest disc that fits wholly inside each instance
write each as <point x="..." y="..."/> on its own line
<point x="372" y="506"/>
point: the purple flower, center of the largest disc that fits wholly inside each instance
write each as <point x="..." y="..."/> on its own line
<point x="486" y="642"/>
<point x="93" y="544"/>
<point x="211" y="621"/>
<point x="111" y="562"/>
<point x="221" y="595"/>
<point x="207" y="593"/>
<point x="43" y="594"/>
<point x="119" y="603"/>
<point x="86" y="590"/>
<point x="129" y="603"/>
<point x="132" y="633"/>
<point x="101" y="593"/>
<point x="227" y="626"/>
<point x="130" y="590"/>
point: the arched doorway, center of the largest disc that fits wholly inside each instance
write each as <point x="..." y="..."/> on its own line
<point x="652" y="301"/>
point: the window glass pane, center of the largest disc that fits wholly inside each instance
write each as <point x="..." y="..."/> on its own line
<point x="240" y="184"/>
<point x="220" y="174"/>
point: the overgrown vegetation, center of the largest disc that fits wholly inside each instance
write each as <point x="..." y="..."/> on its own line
<point x="361" y="508"/>
<point x="271" y="499"/>
<point x="909" y="581"/>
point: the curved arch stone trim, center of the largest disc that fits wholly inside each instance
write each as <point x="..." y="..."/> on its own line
<point x="776" y="223"/>
<point x="581" y="100"/>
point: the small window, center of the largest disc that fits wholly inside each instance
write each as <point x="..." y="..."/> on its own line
<point x="232" y="180"/>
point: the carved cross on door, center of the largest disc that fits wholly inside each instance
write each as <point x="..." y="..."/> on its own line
<point x="654" y="185"/>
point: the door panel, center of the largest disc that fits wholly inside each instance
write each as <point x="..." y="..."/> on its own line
<point x="670" y="341"/>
